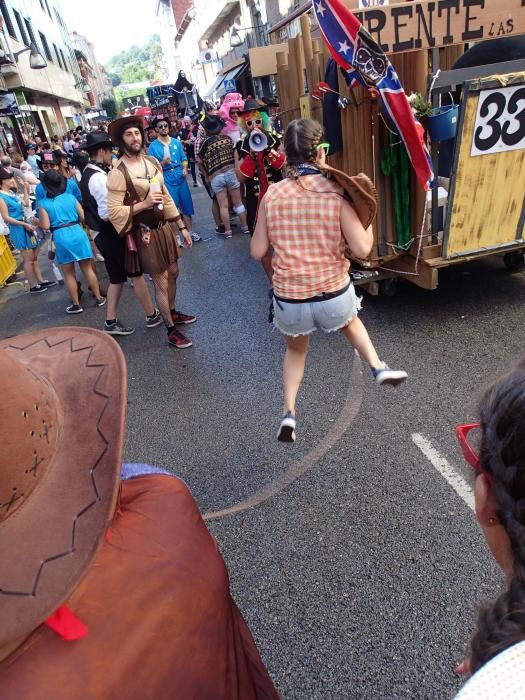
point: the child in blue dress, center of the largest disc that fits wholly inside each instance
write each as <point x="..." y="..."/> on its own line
<point x="61" y="213"/>
<point x="21" y="232"/>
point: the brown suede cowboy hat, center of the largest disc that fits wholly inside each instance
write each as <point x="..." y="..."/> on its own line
<point x="62" y="420"/>
<point x="116" y="127"/>
<point x="359" y="190"/>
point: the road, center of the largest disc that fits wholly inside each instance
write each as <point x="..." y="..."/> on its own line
<point x="357" y="565"/>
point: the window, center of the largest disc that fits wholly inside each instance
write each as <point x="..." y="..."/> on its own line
<point x="42" y="5"/>
<point x="30" y="31"/>
<point x="58" y="56"/>
<point x="21" y="28"/>
<point x="7" y="19"/>
<point x="64" y="62"/>
<point x="48" y="10"/>
<point x="45" y="46"/>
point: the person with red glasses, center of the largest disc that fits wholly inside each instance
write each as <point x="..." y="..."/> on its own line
<point x="495" y="449"/>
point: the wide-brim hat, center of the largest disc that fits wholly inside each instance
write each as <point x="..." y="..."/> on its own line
<point x="97" y="139"/>
<point x="47" y="157"/>
<point x="54" y="183"/>
<point x="63" y="421"/>
<point x="360" y="191"/>
<point x="116" y="127"/>
<point x="213" y="124"/>
<point x="253" y="105"/>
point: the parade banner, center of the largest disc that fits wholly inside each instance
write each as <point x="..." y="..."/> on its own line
<point x="432" y="23"/>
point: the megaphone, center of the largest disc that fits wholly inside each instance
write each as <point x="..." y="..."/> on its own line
<point x="258" y="141"/>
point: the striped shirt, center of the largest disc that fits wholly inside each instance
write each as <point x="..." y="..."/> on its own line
<point x="305" y="233"/>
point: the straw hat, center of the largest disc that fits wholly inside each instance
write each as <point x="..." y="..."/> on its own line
<point x="62" y="417"/>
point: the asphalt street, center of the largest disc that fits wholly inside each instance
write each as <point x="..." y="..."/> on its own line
<point x="358" y="568"/>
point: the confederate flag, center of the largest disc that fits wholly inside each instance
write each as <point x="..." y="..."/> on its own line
<point x="359" y="56"/>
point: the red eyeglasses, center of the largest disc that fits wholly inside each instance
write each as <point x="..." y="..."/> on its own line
<point x="469" y="451"/>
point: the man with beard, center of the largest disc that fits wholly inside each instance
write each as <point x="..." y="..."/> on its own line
<point x="93" y="186"/>
<point x="142" y="210"/>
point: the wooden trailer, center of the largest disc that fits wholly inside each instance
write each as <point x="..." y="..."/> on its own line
<point x="478" y="210"/>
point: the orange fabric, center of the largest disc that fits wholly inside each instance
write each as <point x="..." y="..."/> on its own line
<point x="305" y="233"/>
<point x="162" y="624"/>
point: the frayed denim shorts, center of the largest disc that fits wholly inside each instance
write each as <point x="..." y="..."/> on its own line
<point x="225" y="181"/>
<point x="302" y="318"/>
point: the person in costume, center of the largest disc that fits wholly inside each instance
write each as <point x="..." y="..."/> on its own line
<point x="188" y="135"/>
<point x="141" y="209"/>
<point x="257" y="169"/>
<point x="169" y="152"/>
<point x="211" y="111"/>
<point x="188" y="99"/>
<point x="93" y="186"/>
<point x="50" y="160"/>
<point x="61" y="213"/>
<point x="229" y="111"/>
<point x="216" y="157"/>
<point x="21" y="232"/>
<point x="307" y="219"/>
<point x="111" y="586"/>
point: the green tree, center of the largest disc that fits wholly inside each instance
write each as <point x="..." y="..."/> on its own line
<point x="109" y="105"/>
<point x="115" y="79"/>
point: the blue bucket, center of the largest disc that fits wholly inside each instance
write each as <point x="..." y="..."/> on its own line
<point x="442" y="124"/>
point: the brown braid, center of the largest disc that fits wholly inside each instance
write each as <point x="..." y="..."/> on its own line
<point x="502" y="412"/>
<point x="300" y="145"/>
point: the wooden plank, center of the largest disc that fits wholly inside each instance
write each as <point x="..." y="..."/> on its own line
<point x="433" y="23"/>
<point x="486" y="200"/>
<point x="426" y="277"/>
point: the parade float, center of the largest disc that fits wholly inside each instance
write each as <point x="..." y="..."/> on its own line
<point x="473" y="120"/>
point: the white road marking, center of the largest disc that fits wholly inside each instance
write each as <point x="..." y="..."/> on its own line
<point x="446" y="470"/>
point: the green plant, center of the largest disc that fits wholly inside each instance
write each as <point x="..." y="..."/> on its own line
<point x="420" y="106"/>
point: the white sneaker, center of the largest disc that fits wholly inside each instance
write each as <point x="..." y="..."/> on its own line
<point x="385" y="375"/>
<point x="195" y="237"/>
<point x="99" y="257"/>
<point x="287" y="428"/>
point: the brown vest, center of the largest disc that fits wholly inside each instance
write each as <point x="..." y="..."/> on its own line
<point x="162" y="623"/>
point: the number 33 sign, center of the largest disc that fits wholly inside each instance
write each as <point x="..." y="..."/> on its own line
<point x="500" y="121"/>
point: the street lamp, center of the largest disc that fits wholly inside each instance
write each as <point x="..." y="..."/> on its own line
<point x="236" y="39"/>
<point x="36" y="60"/>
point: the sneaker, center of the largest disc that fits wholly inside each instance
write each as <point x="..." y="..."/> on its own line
<point x="195" y="237"/>
<point x="180" y="319"/>
<point x="101" y="301"/>
<point x="220" y="229"/>
<point x="195" y="184"/>
<point x="178" y="340"/>
<point x="117" y="328"/>
<point x="99" y="257"/>
<point x="287" y="428"/>
<point x="37" y="289"/>
<point x="385" y="375"/>
<point x="155" y="320"/>
<point x="48" y="284"/>
<point x="74" y="309"/>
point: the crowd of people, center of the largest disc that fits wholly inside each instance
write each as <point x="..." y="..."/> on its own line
<point x="122" y="194"/>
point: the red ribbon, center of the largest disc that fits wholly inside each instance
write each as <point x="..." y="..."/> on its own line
<point x="66" y="624"/>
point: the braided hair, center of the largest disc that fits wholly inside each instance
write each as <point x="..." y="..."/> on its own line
<point x="300" y="144"/>
<point x="502" y="454"/>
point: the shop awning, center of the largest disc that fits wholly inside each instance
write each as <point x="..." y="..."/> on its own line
<point x="225" y="81"/>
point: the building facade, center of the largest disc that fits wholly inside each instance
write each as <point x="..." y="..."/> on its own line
<point x="51" y="99"/>
<point x="95" y="75"/>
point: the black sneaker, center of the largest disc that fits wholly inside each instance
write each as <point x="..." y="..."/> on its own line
<point x="220" y="229"/>
<point x="48" y="284"/>
<point x="287" y="428"/>
<point x="117" y="328"/>
<point x="385" y="375"/>
<point x="101" y="301"/>
<point x="155" y="320"/>
<point x="37" y="289"/>
<point x="74" y="309"/>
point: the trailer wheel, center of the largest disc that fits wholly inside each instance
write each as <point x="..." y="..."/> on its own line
<point x="388" y="286"/>
<point x="514" y="261"/>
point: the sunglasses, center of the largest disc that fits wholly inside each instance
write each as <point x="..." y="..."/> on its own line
<point x="325" y="146"/>
<point x="254" y="122"/>
<point x="470" y="451"/>
<point x="162" y="126"/>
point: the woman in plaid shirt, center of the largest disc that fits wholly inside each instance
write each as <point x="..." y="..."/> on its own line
<point x="308" y="222"/>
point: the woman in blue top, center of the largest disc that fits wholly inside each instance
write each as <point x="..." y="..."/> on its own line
<point x="61" y="213"/>
<point x="170" y="154"/>
<point x="21" y="232"/>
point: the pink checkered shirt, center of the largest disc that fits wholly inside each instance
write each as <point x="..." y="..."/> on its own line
<point x="305" y="232"/>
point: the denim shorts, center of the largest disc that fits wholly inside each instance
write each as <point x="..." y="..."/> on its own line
<point x="303" y="318"/>
<point x="225" y="181"/>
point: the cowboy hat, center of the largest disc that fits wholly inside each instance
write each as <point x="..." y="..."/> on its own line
<point x="359" y="190"/>
<point x="54" y="183"/>
<point x="63" y="420"/>
<point x="97" y="139"/>
<point x="252" y="105"/>
<point x="47" y="157"/>
<point x="213" y="124"/>
<point x="116" y="127"/>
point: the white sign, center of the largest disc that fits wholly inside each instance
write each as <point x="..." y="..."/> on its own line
<point x="500" y="121"/>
